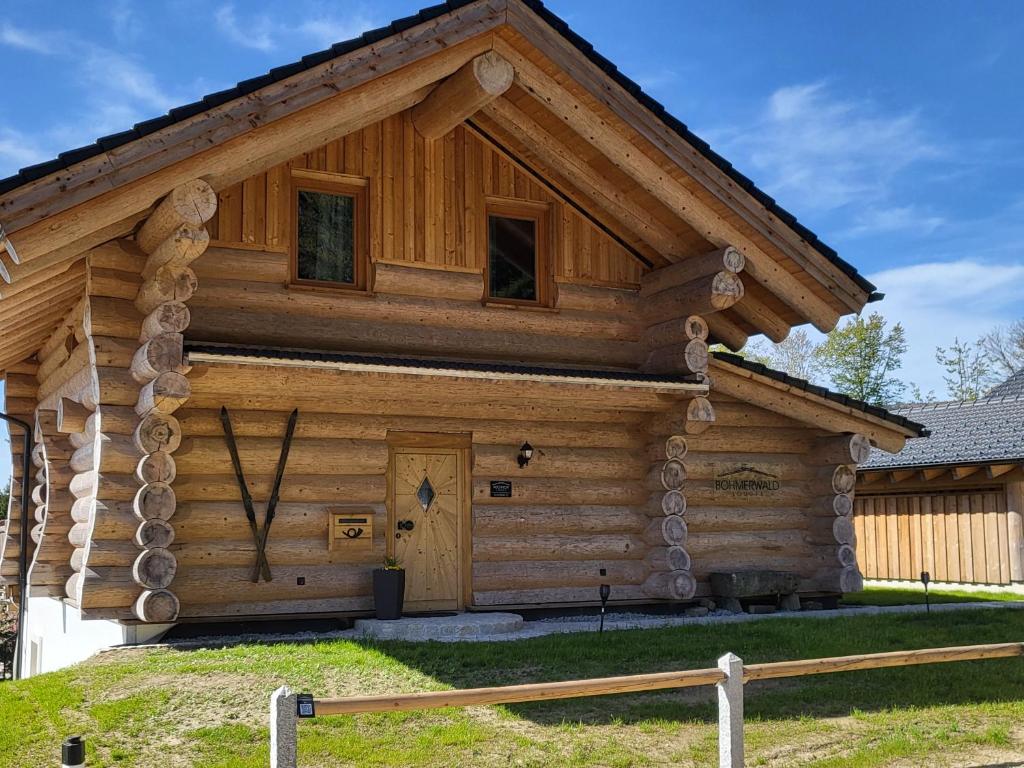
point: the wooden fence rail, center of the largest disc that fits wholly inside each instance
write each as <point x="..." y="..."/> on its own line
<point x="286" y="708"/>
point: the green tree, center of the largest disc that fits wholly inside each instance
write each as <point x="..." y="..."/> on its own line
<point x="1003" y="348"/>
<point x="797" y="355"/>
<point x="5" y="501"/>
<point x="861" y="357"/>
<point x="967" y="371"/>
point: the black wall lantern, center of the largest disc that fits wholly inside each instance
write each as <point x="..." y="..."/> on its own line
<point x="525" y="454"/>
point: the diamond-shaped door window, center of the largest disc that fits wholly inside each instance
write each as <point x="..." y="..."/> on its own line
<point x="425" y="493"/>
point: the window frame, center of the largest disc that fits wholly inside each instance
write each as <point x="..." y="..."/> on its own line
<point x="528" y="210"/>
<point x="354" y="187"/>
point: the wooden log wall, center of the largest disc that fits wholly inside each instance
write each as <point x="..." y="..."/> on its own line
<point x="578" y="507"/>
<point x="426" y="203"/>
<point x="800" y="524"/>
<point x="50" y="566"/>
<point x="136" y="316"/>
<point x="21" y="392"/>
<point x="960" y="536"/>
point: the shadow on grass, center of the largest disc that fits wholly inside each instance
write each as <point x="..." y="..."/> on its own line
<point x="563" y="657"/>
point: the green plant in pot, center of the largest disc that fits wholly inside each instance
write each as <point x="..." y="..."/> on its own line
<point x="389" y="589"/>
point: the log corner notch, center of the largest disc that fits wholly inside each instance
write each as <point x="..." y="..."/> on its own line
<point x="838" y="457"/>
<point x="670" y="577"/>
<point x="173" y="236"/>
<point x="462" y="95"/>
<point x="679" y="302"/>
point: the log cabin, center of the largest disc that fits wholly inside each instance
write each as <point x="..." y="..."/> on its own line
<point x="485" y="269"/>
<point x="951" y="505"/>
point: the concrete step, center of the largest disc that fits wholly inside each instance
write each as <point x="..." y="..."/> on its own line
<point x="461" y="625"/>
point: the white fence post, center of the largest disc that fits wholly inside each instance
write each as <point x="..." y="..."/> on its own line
<point x="730" y="712"/>
<point x="283" y="731"/>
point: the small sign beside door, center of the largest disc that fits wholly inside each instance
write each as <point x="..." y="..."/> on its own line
<point x="501" y="489"/>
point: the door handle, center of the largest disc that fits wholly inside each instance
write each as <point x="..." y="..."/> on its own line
<point x="406" y="525"/>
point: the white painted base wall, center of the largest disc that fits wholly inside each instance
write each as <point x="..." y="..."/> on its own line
<point x="56" y="636"/>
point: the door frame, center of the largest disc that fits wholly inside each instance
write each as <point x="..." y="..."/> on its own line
<point x="463" y="443"/>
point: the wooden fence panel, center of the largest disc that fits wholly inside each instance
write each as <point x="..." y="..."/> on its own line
<point x="956" y="537"/>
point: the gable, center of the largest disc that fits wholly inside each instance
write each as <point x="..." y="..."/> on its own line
<point x="638" y="172"/>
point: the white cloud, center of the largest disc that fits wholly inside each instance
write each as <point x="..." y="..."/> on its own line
<point x="116" y="90"/>
<point x="254" y="33"/>
<point x="21" y="38"/>
<point x="126" y="23"/>
<point x="265" y="33"/>
<point x="820" y="152"/>
<point x="938" y="301"/>
<point x="18" y="150"/>
<point x="324" y="31"/>
<point x="907" y="218"/>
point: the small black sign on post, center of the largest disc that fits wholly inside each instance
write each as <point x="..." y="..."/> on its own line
<point x="501" y="489"/>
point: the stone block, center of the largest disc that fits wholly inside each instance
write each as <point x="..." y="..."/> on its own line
<point x="753" y="583"/>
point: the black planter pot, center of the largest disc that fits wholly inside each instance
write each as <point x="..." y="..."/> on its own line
<point x="388" y="592"/>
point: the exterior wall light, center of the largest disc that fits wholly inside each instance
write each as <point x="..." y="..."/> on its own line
<point x="525" y="454"/>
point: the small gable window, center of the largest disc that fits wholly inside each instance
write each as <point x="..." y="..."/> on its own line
<point x="329" y="241"/>
<point x="517" y="235"/>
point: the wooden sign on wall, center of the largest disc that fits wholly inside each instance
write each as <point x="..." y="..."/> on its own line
<point x="748" y="479"/>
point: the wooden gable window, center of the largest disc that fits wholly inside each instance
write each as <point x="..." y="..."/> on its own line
<point x="329" y="237"/>
<point x="518" y="244"/>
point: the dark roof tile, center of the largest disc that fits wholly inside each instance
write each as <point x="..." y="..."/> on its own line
<point x="979" y="432"/>
<point x="837" y="397"/>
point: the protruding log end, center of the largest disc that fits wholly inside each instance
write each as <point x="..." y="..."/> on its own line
<point x="844" y="532"/>
<point x="156" y="606"/>
<point x="673" y="503"/>
<point x="670" y="585"/>
<point x="156" y="467"/>
<point x="166" y="393"/>
<point x="193" y="203"/>
<point x="469" y="89"/>
<point x="847" y="556"/>
<point x="155" y="501"/>
<point x="157" y="432"/>
<point x="168" y="284"/>
<point x="841" y="449"/>
<point x="844" y="479"/>
<point x="668" y="558"/>
<point x="676" y="447"/>
<point x="163" y="352"/>
<point x="154" y="568"/>
<point x="71" y="416"/>
<point x="700" y="416"/>
<point x="167" y="318"/>
<point x="851" y="580"/>
<point x="152" y="534"/>
<point x="673" y="475"/>
<point x="669" y="530"/>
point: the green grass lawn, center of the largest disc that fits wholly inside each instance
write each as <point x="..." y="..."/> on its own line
<point x="873" y="595"/>
<point x="209" y="707"/>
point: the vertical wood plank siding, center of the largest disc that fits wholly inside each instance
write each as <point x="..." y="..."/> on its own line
<point x="426" y="203"/>
<point x="955" y="536"/>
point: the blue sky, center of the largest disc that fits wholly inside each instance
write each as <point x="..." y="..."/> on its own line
<point x="894" y="130"/>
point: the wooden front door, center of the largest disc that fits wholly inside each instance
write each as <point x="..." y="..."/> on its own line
<point x="425" y="516"/>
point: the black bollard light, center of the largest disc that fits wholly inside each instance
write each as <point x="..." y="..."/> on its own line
<point x="925" y="578"/>
<point x="72" y="752"/>
<point x="605" y="591"/>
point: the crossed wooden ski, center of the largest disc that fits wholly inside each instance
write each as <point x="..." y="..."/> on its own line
<point x="262" y="567"/>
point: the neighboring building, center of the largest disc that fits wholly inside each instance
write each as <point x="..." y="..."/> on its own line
<point x="950" y="505"/>
<point x="454" y="238"/>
